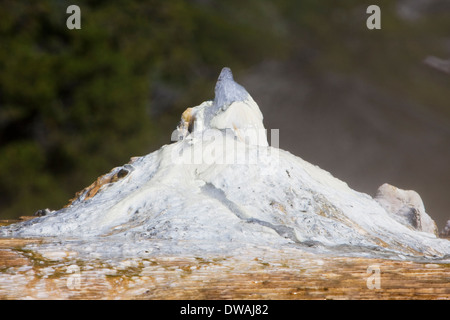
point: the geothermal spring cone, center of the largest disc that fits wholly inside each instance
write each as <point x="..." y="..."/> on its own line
<point x="219" y="186"/>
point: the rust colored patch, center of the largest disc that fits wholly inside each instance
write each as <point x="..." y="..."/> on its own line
<point x="187" y="120"/>
<point x="187" y="115"/>
<point x="10" y="258"/>
<point x="95" y="187"/>
<point x="25" y="218"/>
<point x="278" y="206"/>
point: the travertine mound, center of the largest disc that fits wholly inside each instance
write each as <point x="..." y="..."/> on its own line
<point x="220" y="188"/>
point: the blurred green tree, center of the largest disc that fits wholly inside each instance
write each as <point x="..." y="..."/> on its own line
<point x="75" y="103"/>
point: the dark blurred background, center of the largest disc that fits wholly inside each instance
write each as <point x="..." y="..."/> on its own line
<point x="359" y="103"/>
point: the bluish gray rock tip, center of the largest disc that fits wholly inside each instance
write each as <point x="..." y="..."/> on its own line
<point x="226" y="92"/>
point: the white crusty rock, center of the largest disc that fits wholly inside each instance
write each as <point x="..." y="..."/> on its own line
<point x="232" y="109"/>
<point x="213" y="191"/>
<point x="405" y="206"/>
<point x="446" y="231"/>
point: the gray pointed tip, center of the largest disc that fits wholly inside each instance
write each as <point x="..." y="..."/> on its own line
<point x="226" y="74"/>
<point x="227" y="90"/>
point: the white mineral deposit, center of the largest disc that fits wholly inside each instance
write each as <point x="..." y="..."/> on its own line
<point x="232" y="191"/>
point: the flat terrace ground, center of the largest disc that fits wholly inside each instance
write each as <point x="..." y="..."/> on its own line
<point x="274" y="274"/>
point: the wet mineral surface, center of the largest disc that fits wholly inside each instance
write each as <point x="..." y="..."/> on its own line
<point x="261" y="273"/>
